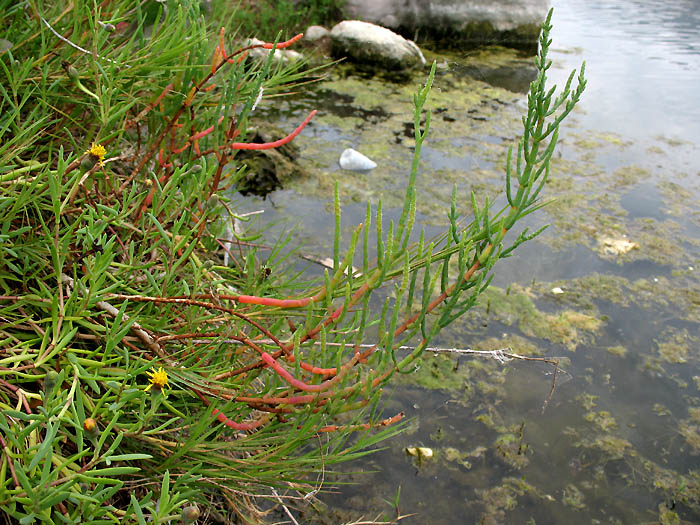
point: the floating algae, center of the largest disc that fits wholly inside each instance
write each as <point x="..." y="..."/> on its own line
<point x="516" y="306"/>
<point x="573" y="497"/>
<point x="504" y="497"/>
<point x="464" y="459"/>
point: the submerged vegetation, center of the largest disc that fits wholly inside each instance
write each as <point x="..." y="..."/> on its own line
<point x="156" y="363"/>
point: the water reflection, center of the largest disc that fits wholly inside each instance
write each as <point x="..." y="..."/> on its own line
<point x="514" y="70"/>
<point x="644" y="62"/>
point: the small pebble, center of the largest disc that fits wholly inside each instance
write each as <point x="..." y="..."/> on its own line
<point x="356" y="161"/>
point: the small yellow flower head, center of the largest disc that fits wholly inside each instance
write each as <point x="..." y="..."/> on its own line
<point x="158" y="379"/>
<point x="97" y="153"/>
<point x="90" y="425"/>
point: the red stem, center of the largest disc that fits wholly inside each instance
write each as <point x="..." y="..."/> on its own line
<point x="148" y="108"/>
<point x="289" y="378"/>
<point x="282" y="45"/>
<point x="364" y="426"/>
<point x="277" y="143"/>
<point x="221" y="417"/>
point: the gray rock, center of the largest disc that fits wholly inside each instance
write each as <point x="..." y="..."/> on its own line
<point x="355" y="161"/>
<point x="316" y="33"/>
<point x="371" y="44"/>
<point x="511" y="22"/>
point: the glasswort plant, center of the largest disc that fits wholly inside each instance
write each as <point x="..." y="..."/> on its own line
<point x="141" y="379"/>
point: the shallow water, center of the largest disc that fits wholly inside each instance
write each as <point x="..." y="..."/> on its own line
<point x="619" y="442"/>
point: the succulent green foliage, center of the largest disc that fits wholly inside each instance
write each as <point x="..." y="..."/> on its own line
<point x="139" y="374"/>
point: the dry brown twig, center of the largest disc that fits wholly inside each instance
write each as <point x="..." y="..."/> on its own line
<point x="144" y="336"/>
<point x="284" y="507"/>
<point x="375" y="522"/>
<point x="503" y="355"/>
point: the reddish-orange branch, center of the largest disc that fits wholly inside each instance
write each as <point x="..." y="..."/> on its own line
<point x="194" y="138"/>
<point x="282" y="45"/>
<point x="364" y="426"/>
<point x="277" y="143"/>
<point x="289" y="378"/>
<point x="131" y="123"/>
<point x="269" y="301"/>
<point x="221" y="417"/>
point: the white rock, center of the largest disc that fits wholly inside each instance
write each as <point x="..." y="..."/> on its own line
<point x="557" y="291"/>
<point x="355" y="161"/>
<point x="374" y="45"/>
<point x="314" y="33"/>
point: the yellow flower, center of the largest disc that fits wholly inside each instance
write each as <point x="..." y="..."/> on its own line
<point x="158" y="379"/>
<point x="97" y="152"/>
<point x="90" y="425"/>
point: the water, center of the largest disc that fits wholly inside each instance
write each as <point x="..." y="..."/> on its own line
<point x="619" y="441"/>
<point x="644" y="63"/>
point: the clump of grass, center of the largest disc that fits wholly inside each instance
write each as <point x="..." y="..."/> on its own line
<point x="140" y="377"/>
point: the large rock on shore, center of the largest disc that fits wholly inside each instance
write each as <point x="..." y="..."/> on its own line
<point x="374" y="46"/>
<point x="457" y="23"/>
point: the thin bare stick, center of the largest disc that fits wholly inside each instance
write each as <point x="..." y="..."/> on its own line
<point x="502" y="355"/>
<point x="135" y="327"/>
<point x="286" y="510"/>
<point x="76" y="46"/>
<point x="322" y="475"/>
<point x="554" y="383"/>
<point x="398" y="518"/>
<point x="144" y="336"/>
